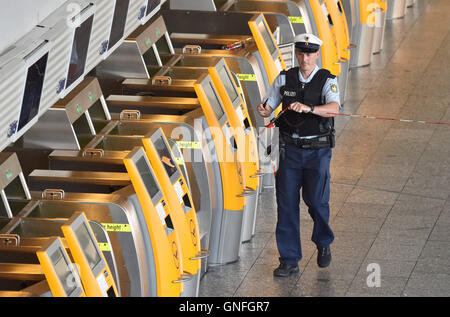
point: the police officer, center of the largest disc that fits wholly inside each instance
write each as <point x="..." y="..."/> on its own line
<point x="306" y="139"/>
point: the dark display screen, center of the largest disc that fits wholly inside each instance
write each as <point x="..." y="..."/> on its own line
<point x="118" y="23"/>
<point x="33" y="91"/>
<point x="79" y="51"/>
<point x="88" y="246"/>
<point x="228" y="83"/>
<point x="267" y="37"/>
<point x="165" y="156"/>
<point x="214" y="102"/>
<point x="147" y="177"/>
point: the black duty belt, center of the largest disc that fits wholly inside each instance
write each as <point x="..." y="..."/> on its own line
<point x="313" y="142"/>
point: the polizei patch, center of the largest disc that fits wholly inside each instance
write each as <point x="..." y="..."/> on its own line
<point x="288" y="93"/>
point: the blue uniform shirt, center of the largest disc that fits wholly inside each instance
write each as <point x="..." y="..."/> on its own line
<point x="330" y="90"/>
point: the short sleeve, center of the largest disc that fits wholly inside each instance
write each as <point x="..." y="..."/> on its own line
<point x="330" y="91"/>
<point x="273" y="95"/>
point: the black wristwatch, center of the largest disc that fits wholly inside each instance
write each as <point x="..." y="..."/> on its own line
<point x="312" y="108"/>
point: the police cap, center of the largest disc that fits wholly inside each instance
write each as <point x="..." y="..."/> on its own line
<point x="307" y="43"/>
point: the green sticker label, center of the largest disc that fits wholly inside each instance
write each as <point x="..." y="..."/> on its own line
<point x="116" y="227"/>
<point x="296" y="19"/>
<point x="188" y="145"/>
<point x="179" y="160"/>
<point x="104" y="247"/>
<point x="246" y="77"/>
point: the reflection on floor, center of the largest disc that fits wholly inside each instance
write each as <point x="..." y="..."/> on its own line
<point x="390" y="196"/>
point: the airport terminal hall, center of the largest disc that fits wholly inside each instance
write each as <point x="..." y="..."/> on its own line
<point x="228" y="153"/>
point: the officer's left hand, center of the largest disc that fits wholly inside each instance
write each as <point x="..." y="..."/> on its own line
<point x="299" y="107"/>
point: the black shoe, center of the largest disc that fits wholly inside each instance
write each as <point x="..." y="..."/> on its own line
<point x="323" y="256"/>
<point x="285" y="270"/>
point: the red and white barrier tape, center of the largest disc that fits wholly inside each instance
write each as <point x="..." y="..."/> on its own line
<point x="271" y="124"/>
<point x="386" y="118"/>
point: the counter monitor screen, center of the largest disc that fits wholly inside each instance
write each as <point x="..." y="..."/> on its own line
<point x="267" y="37"/>
<point x="228" y="83"/>
<point x="147" y="177"/>
<point x="79" y="51"/>
<point x="62" y="268"/>
<point x="119" y="20"/>
<point x="88" y="246"/>
<point x="165" y="156"/>
<point x="33" y="91"/>
<point x="214" y="102"/>
<point x="151" y="5"/>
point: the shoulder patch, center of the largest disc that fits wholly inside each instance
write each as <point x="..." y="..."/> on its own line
<point x="334" y="88"/>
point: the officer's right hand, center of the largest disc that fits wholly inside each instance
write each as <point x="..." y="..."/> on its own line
<point x="264" y="111"/>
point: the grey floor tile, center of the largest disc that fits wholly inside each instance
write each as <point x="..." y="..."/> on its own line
<point x="357" y="224"/>
<point x="364" y="210"/>
<point x="436" y="249"/>
<point x="389" y="234"/>
<point x="221" y="281"/>
<point x="441" y="232"/>
<point x="418" y="292"/>
<point x="402" y="222"/>
<point x="365" y="195"/>
<point x="351" y="246"/>
<point x="429" y="281"/>
<point x="258" y="241"/>
<point x="433" y="265"/>
<point x="412" y="205"/>
<point x="320" y="287"/>
<point x="389" y="286"/>
<point x="388" y="250"/>
<point x="388" y="268"/>
<point x="260" y="282"/>
<point x="337" y="270"/>
<point x="434" y="186"/>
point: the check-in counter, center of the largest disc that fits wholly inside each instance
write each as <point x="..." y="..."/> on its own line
<point x="151" y="45"/>
<point x="84" y="249"/>
<point x="83" y="114"/>
<point x="339" y="26"/>
<point x="349" y="7"/>
<point x="87" y="254"/>
<point x="284" y="18"/>
<point x="119" y="213"/>
<point x="72" y="112"/>
<point x="364" y="32"/>
<point x="81" y="243"/>
<point x="175" y="188"/>
<point x="380" y="26"/>
<point x="45" y="270"/>
<point x="330" y="53"/>
<point x="240" y="125"/>
<point x="165" y="242"/>
<point x="396" y="9"/>
<point x="225" y="238"/>
<point x="17" y="202"/>
<point x="181" y="79"/>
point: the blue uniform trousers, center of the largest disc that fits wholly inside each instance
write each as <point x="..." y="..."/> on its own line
<point x="307" y="170"/>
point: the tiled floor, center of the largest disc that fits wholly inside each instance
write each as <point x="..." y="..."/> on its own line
<point x="390" y="200"/>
